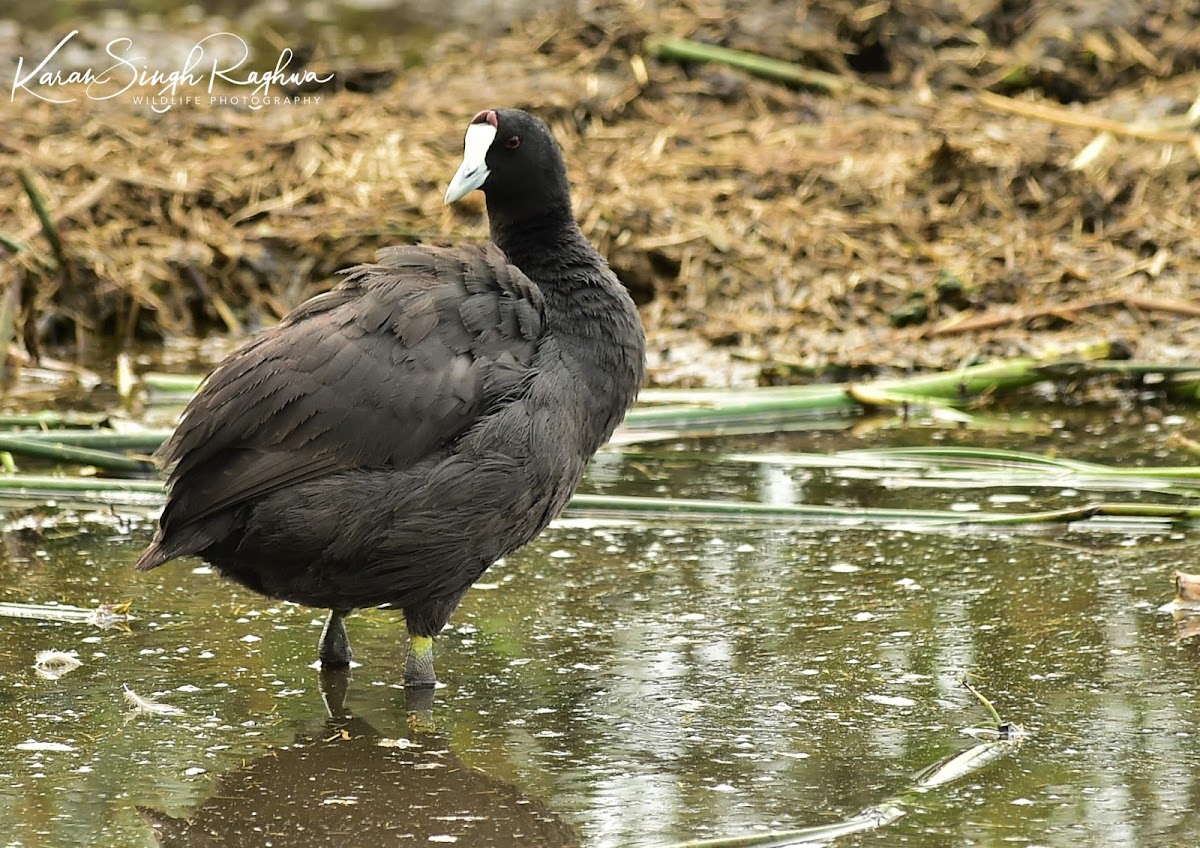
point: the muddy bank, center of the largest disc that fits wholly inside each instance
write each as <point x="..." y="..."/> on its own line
<point x="961" y="200"/>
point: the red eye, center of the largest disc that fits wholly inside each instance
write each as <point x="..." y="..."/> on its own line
<point x="513" y="143"/>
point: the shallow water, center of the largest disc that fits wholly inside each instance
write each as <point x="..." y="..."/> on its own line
<point x="632" y="683"/>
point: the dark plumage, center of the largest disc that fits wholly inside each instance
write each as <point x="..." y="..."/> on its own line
<point x="392" y="438"/>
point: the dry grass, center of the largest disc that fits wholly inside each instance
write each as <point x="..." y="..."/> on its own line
<point x="785" y="223"/>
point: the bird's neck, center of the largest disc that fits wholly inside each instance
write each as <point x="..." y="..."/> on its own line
<point x="545" y="244"/>
<point x="584" y="303"/>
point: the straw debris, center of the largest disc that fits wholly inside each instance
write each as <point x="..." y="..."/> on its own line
<point x="1042" y="156"/>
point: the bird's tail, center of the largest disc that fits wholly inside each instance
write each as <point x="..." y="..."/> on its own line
<point x="189" y="540"/>
<point x="155" y="555"/>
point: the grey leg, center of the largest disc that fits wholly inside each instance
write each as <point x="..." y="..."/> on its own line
<point x="418" y="665"/>
<point x="335" y="644"/>
<point x="419" y="681"/>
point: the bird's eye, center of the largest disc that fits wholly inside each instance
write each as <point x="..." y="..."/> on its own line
<point x="513" y="142"/>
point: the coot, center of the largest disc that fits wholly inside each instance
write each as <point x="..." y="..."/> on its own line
<point x="392" y="438"/>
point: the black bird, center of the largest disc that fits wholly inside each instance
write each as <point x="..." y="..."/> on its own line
<point x="392" y="438"/>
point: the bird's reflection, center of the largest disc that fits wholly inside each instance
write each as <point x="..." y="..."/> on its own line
<point x="347" y="785"/>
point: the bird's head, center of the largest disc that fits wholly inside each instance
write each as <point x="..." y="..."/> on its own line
<point x="512" y="157"/>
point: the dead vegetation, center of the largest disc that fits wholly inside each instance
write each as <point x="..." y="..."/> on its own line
<point x="994" y="180"/>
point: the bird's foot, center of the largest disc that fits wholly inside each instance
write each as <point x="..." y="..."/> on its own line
<point x="334" y="649"/>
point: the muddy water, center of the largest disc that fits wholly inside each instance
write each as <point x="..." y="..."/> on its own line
<point x="623" y="683"/>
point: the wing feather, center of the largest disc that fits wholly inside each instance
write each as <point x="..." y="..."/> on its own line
<point x="393" y="365"/>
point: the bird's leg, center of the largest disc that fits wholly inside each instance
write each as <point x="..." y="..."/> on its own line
<point x="335" y="644"/>
<point x="418" y="665"/>
<point x="419" y="681"/>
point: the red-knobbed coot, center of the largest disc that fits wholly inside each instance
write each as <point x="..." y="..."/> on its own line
<point x="392" y="438"/>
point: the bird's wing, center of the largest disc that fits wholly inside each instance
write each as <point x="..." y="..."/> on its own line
<point x="385" y="369"/>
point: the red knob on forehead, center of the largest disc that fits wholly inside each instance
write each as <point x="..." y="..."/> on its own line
<point x="488" y="116"/>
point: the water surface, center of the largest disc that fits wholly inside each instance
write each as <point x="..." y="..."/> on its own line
<point x="629" y="683"/>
